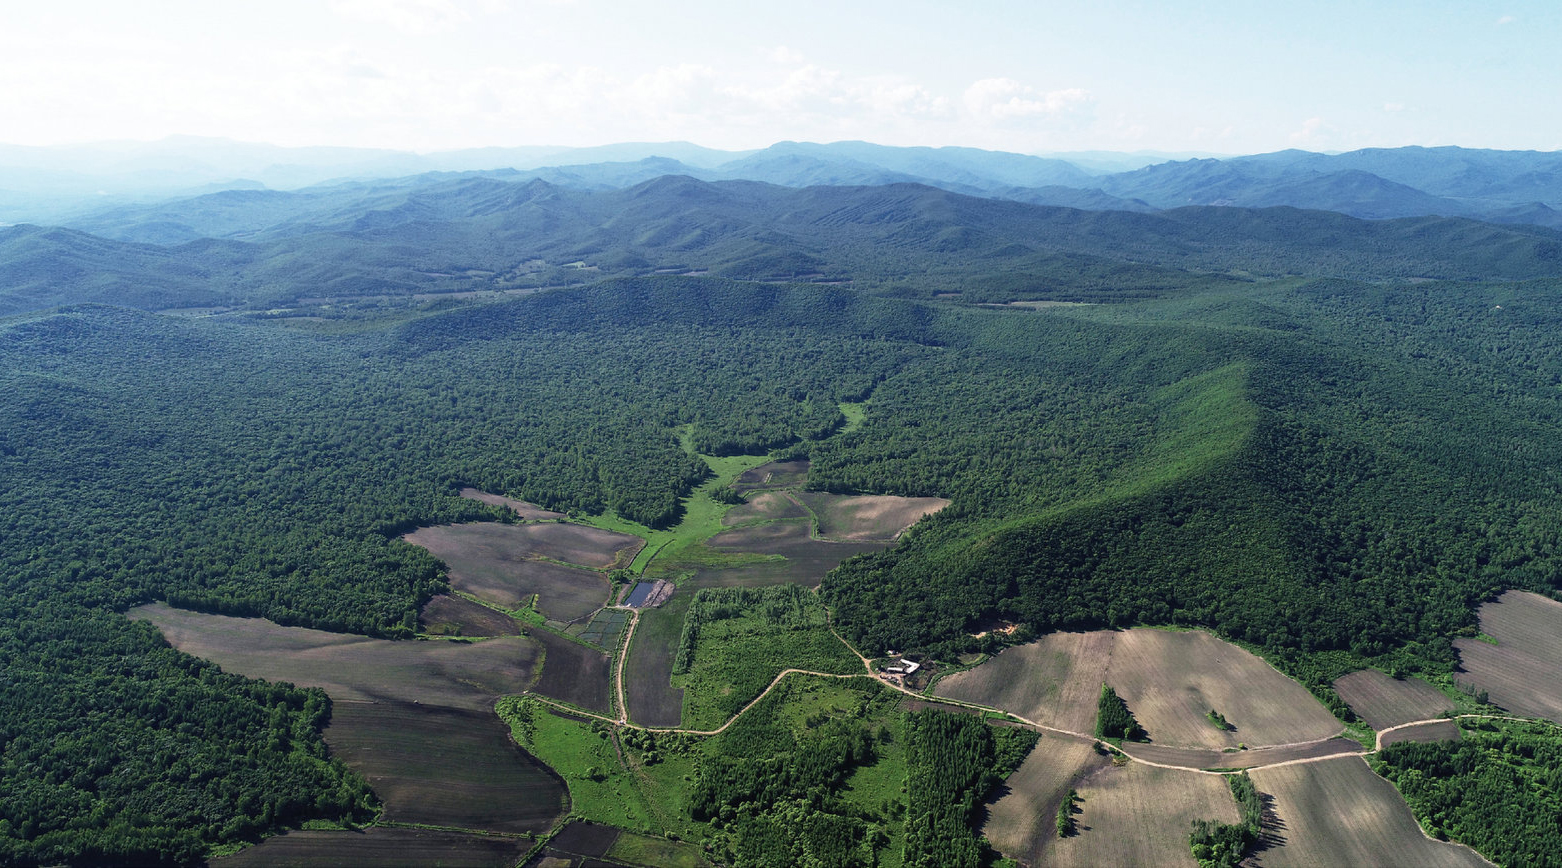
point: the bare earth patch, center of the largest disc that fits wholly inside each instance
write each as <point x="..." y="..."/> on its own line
<point x="1139" y="815"/>
<point x="467" y="675"/>
<point x="505" y="564"/>
<point x="1170" y="680"/>
<point x="1442" y="730"/>
<point x="445" y="767"/>
<point x="1200" y="758"/>
<point x="380" y="848"/>
<point x="766" y="506"/>
<point x="528" y="511"/>
<point x="1338" y="812"/>
<point x="867" y="517"/>
<point x="574" y="673"/>
<point x="1520" y="671"/>
<point x="449" y="615"/>
<point x="774" y="474"/>
<point x="1021" y="819"/>
<point x="1383" y="701"/>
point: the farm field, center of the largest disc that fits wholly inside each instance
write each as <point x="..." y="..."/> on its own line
<point x="1442" y="730"/>
<point x="1338" y="812"/>
<point x="445" y="767"/>
<point x="773" y="474"/>
<point x="792" y="540"/>
<point x="1383" y="701"/>
<point x="1021" y="817"/>
<point x="492" y="542"/>
<point x="573" y="673"/>
<point x="861" y="518"/>
<point x="1519" y="673"/>
<point x="765" y="506"/>
<point x="1137" y="815"/>
<point x="648" y="691"/>
<point x="379" y="848"/>
<point x="466" y="675"/>
<point x="450" y="615"/>
<point x="1170" y="680"/>
<point x="1202" y="758"/>
<point x="604" y="628"/>
<point x="528" y="511"/>
<point x="503" y="564"/>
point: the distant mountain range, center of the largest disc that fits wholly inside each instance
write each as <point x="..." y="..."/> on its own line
<point x="149" y="191"/>
<point x="464" y="233"/>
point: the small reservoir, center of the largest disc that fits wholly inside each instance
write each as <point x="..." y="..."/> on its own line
<point x="638" y="596"/>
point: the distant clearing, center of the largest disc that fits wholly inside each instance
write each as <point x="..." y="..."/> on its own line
<point x="528" y="511"/>
<point x="445" y="767"/>
<point x="1338" y="812"/>
<point x="1170" y="680"/>
<point x="579" y="544"/>
<point x="1137" y="815"/>
<point x="573" y="673"/>
<point x="500" y="563"/>
<point x="867" y="517"/>
<point x="1383" y="701"/>
<point x="1520" y="672"/>
<point x="449" y="615"/>
<point x="775" y="474"/>
<point x="766" y="506"/>
<point x="791" y="540"/>
<point x="380" y="848"/>
<point x="464" y="675"/>
<point x="1021" y="820"/>
<point x="1442" y="730"/>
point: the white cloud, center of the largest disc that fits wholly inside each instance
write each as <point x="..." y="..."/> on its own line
<point x="1505" y="20"/>
<point x="416" y="17"/>
<point x="1004" y="99"/>
<point x="1393" y="106"/>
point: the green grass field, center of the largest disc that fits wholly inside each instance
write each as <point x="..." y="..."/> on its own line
<point x="737" y="640"/>
<point x="603" y="788"/>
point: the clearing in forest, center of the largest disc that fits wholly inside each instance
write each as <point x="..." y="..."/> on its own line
<point x="860" y="518"/>
<point x="449" y="615"/>
<point x="773" y="474"/>
<point x="1339" y="812"/>
<point x="464" y="675"/>
<point x="1383" y="701"/>
<point x="1021" y="820"/>
<point x="1518" y="673"/>
<point x="1136" y="814"/>
<point x="527" y="511"/>
<point x="445" y="767"/>
<point x="1170" y="679"/>
<point x="379" y="847"/>
<point x="505" y="564"/>
<point x="765" y="506"/>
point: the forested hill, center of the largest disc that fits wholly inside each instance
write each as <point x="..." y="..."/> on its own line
<point x="485" y="234"/>
<point x="1337" y="470"/>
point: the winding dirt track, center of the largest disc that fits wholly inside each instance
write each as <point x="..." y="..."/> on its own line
<point x="623" y="715"/>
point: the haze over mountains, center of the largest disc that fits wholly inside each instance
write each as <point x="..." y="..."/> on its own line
<point x="105" y="188"/>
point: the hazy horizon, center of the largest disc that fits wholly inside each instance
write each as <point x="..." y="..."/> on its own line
<point x="428" y="76"/>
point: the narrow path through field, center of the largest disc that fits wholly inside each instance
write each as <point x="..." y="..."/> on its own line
<point x="867" y="664"/>
<point x="623" y="658"/>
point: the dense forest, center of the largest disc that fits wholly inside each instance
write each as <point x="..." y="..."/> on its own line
<point x="1337" y="469"/>
<point x="1496" y="789"/>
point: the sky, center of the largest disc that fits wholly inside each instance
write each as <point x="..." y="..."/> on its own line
<point x="1228" y="77"/>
